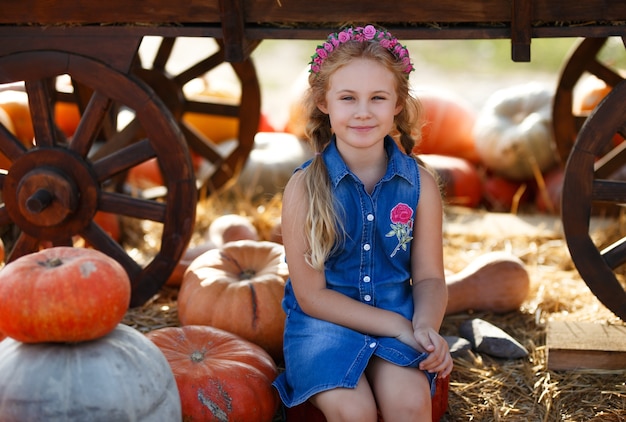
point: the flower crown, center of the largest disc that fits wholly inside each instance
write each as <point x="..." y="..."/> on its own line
<point x="361" y="34"/>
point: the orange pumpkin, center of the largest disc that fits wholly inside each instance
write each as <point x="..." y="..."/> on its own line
<point x="66" y="117"/>
<point x="459" y="178"/>
<point x="238" y="288"/>
<point x="217" y="128"/>
<point x="110" y="223"/>
<point x="15" y="104"/>
<point x="176" y="278"/>
<point x="146" y="175"/>
<point x="62" y="294"/>
<point x="503" y="195"/>
<point x="447" y="126"/>
<point x="15" y="116"/>
<point x="219" y="375"/>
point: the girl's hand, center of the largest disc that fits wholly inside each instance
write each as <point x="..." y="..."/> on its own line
<point x="439" y="359"/>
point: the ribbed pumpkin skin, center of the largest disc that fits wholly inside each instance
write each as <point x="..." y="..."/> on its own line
<point x="62" y="294"/>
<point x="121" y="377"/>
<point x="220" y="376"/>
<point x="238" y="288"/>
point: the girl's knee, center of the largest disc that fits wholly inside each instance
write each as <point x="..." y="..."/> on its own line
<point x="346" y="405"/>
<point x="407" y="405"/>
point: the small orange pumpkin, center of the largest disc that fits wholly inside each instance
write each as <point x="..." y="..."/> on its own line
<point x="448" y="123"/>
<point x="62" y="294"/>
<point x="239" y="288"/>
<point x="219" y="375"/>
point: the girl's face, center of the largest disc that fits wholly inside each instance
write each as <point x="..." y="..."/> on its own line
<point x="361" y="103"/>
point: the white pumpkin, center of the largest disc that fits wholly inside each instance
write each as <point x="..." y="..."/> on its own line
<point x="120" y="377"/>
<point x="513" y="132"/>
<point x="271" y="163"/>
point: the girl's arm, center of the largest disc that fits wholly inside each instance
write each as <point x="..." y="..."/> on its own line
<point x="309" y="285"/>
<point x="430" y="293"/>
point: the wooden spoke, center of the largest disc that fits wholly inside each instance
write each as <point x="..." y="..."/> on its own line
<point x="5" y="218"/>
<point x="90" y="123"/>
<point x="10" y="146"/>
<point x="24" y="245"/>
<point x="132" y="207"/>
<point x="97" y="237"/>
<point x="41" y="112"/>
<point x="200" y="68"/>
<point x="121" y="139"/>
<point x="123" y="159"/>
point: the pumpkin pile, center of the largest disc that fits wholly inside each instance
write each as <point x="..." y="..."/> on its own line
<point x="67" y="357"/>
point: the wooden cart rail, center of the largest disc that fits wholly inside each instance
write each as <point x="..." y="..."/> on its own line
<point x="238" y="22"/>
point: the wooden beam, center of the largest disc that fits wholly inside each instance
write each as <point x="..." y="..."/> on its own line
<point x="577" y="345"/>
<point x="521" y="34"/>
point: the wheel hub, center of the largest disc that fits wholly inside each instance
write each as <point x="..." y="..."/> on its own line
<point x="50" y="193"/>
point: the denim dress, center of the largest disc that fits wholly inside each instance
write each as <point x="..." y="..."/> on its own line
<point x="372" y="265"/>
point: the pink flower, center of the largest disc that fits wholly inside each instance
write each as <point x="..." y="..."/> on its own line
<point x="369" y="32"/>
<point x="385" y="43"/>
<point x="344" y="36"/>
<point x="406" y="61"/>
<point x="401" y="214"/>
<point x="321" y="53"/>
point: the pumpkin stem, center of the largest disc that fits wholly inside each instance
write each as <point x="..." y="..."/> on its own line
<point x="51" y="263"/>
<point x="247" y="274"/>
<point x="197" y="356"/>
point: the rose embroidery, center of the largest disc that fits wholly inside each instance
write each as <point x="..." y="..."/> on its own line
<point x="401" y="226"/>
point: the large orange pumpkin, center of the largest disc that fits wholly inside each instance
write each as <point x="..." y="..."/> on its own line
<point x="62" y="294"/>
<point x="239" y="288"/>
<point x="448" y="125"/>
<point x="220" y="376"/>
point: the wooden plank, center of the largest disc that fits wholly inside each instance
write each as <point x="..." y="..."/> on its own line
<point x="50" y="12"/>
<point x="576" y="345"/>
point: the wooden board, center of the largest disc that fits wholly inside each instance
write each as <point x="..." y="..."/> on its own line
<point x="578" y="345"/>
<point x="49" y="12"/>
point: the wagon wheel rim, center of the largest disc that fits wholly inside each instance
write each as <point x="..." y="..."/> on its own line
<point x="585" y="58"/>
<point x="51" y="192"/>
<point x="225" y="163"/>
<point x="589" y="180"/>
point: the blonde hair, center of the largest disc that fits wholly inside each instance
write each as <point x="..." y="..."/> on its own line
<point x="323" y="228"/>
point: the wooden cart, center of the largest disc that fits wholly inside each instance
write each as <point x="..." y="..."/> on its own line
<point x="52" y="191"/>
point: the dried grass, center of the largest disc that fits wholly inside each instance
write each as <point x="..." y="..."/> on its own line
<point x="483" y="388"/>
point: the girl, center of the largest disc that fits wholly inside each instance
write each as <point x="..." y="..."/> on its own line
<point x="362" y="229"/>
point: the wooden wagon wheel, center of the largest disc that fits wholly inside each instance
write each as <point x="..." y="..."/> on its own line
<point x="51" y="192"/>
<point x="590" y="179"/>
<point x="585" y="59"/>
<point x="225" y="164"/>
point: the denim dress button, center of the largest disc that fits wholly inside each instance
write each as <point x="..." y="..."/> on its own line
<point x="367" y="298"/>
<point x="366" y="247"/>
<point x="372" y="345"/>
<point x="367" y="279"/>
<point x="370" y="217"/>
